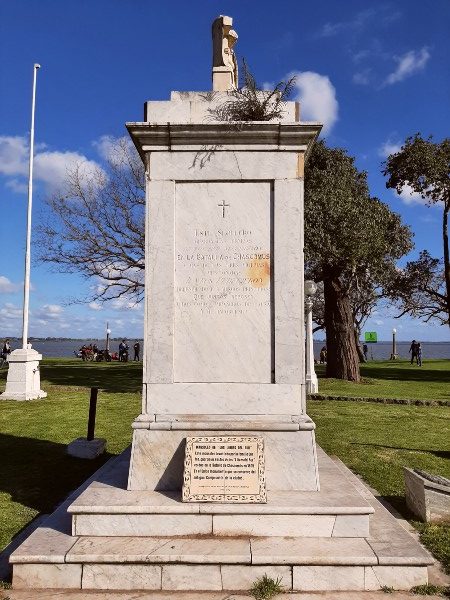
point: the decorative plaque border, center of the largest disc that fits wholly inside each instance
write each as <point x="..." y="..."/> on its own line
<point x="260" y="497"/>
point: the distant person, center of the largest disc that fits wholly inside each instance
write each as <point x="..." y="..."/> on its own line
<point x="6" y="351"/>
<point x="323" y="355"/>
<point x="419" y="354"/>
<point x="123" y="351"/>
<point x="365" y="351"/>
<point x="137" y="350"/>
<point x="413" y="350"/>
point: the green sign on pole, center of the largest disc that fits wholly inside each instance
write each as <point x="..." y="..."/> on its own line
<point x="370" y="337"/>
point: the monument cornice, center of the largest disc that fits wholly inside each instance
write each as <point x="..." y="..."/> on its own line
<point x="254" y="136"/>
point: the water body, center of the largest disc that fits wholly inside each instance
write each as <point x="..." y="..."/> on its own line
<point x="379" y="351"/>
<point x="66" y="348"/>
<point x="382" y="350"/>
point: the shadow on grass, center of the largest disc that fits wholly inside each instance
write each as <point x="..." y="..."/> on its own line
<point x="111" y="377"/>
<point x="445" y="454"/>
<point x="406" y="374"/>
<point x="39" y="474"/>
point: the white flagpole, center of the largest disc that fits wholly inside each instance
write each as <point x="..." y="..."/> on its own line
<point x="26" y="292"/>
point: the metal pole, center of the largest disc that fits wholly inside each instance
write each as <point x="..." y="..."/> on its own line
<point x="92" y="413"/>
<point x="26" y="291"/>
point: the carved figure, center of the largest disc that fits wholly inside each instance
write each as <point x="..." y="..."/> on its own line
<point x="225" y="69"/>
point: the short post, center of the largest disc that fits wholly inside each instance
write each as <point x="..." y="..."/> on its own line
<point x="312" y="385"/>
<point x="92" y="413"/>
<point x="394" y="345"/>
<point x="89" y="447"/>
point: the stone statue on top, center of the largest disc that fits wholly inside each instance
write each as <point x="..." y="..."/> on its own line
<point x="225" y="69"/>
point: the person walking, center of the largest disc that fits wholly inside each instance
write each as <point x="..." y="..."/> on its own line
<point x="419" y="354"/>
<point x="137" y="350"/>
<point x="413" y="351"/>
<point x="365" y="351"/>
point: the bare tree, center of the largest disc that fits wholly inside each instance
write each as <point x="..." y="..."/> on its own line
<point x="95" y="226"/>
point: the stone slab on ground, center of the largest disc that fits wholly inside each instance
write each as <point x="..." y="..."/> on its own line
<point x="88" y="449"/>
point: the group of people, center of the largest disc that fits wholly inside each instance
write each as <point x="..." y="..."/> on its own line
<point x="6" y="351"/>
<point x="91" y="352"/>
<point x="416" y="352"/>
<point x="124" y="351"/>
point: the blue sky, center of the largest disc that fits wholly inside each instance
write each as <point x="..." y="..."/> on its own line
<point x="373" y="72"/>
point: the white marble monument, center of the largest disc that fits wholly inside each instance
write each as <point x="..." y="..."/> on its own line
<point x="224" y="361"/>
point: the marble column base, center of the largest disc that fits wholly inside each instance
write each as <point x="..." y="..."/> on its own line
<point x="157" y="456"/>
<point x="23" y="380"/>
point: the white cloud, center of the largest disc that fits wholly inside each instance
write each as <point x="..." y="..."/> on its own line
<point x="363" y="77"/>
<point x="409" y="196"/>
<point x="7" y="286"/>
<point x="383" y="15"/>
<point x="19" y="187"/>
<point x="50" y="167"/>
<point x="13" y="155"/>
<point x="355" y="24"/>
<point x="408" y="64"/>
<point x="389" y="147"/>
<point x="317" y="97"/>
<point x="10" y="319"/>
<point x="123" y="304"/>
<point x="49" y="312"/>
<point x="95" y="306"/>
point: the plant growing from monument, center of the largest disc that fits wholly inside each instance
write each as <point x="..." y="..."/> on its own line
<point x="424" y="166"/>
<point x="266" y="588"/>
<point x="250" y="102"/>
<point x="95" y="226"/>
<point x="351" y="240"/>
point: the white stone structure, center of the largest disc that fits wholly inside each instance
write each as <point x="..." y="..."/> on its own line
<point x="224" y="317"/>
<point x="24" y="378"/>
<point x="224" y="354"/>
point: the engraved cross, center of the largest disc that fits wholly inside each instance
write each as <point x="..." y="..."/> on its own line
<point x="222" y="206"/>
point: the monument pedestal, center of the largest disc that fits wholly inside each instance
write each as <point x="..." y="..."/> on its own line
<point x="23" y="381"/>
<point x="105" y="537"/>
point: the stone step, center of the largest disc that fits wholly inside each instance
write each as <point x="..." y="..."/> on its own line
<point x="144" y="525"/>
<point x="107" y="508"/>
<point x="214" y="564"/>
<point x="53" y="557"/>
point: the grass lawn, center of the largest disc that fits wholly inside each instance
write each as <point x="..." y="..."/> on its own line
<point x="374" y="440"/>
<point x="393" y="379"/>
<point x="35" y="472"/>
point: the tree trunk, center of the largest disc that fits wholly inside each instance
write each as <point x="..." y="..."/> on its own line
<point x="446" y="254"/>
<point x="358" y="345"/>
<point x="342" y="354"/>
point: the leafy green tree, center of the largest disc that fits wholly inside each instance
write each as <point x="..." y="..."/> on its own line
<point x="350" y="239"/>
<point x="424" y="166"/>
<point x="419" y="289"/>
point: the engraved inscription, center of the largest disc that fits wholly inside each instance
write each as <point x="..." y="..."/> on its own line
<point x="224" y="469"/>
<point x="222" y="282"/>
